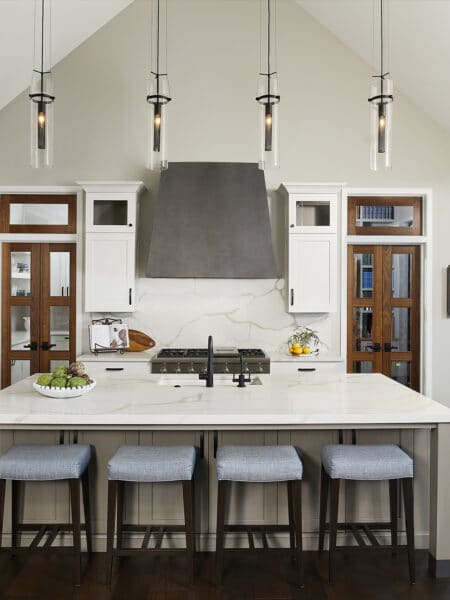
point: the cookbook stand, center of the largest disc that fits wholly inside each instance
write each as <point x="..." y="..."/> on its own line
<point x="97" y="348"/>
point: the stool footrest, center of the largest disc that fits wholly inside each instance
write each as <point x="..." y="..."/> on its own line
<point x="48" y="530"/>
<point x="357" y="529"/>
<point x="156" y="531"/>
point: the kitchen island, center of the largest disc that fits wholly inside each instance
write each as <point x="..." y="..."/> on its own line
<point x="305" y="410"/>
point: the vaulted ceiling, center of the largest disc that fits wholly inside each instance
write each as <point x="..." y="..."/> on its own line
<point x="419" y="45"/>
<point x="73" y="21"/>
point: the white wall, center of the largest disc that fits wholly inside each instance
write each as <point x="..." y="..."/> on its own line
<point x="213" y="63"/>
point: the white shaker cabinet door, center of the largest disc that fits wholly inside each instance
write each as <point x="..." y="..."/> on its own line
<point x="312" y="273"/>
<point x="110" y="272"/>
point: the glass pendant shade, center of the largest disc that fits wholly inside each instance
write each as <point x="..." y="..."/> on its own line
<point x="158" y="93"/>
<point x="268" y="97"/>
<point x="381" y="97"/>
<point x="41" y="90"/>
<point x="381" y="104"/>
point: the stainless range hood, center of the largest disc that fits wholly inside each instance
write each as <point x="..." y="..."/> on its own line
<point x="212" y="220"/>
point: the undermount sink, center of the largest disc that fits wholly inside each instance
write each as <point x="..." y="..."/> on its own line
<point x="194" y="381"/>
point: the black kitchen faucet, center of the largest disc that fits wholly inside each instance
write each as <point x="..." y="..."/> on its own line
<point x="209" y="375"/>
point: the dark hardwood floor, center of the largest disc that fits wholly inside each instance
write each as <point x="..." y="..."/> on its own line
<point x="359" y="577"/>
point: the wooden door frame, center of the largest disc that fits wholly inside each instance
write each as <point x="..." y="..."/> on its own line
<point x="426" y="287"/>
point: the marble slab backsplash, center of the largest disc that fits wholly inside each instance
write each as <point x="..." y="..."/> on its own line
<point x="243" y="313"/>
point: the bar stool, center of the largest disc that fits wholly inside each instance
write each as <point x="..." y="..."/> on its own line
<point x="149" y="464"/>
<point x="260" y="464"/>
<point x="366" y="463"/>
<point x="27" y="463"/>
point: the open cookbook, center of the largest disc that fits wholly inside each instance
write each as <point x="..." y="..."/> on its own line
<point x="108" y="337"/>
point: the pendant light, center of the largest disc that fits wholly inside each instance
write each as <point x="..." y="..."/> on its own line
<point x="158" y="95"/>
<point x="381" y="99"/>
<point x="267" y="95"/>
<point x="41" y="89"/>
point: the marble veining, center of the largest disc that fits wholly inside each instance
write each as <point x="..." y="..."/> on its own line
<point x="299" y="400"/>
<point x="243" y="313"/>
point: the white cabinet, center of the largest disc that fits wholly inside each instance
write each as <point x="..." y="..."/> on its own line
<point x="111" y="213"/>
<point x="312" y="247"/>
<point x="312" y="273"/>
<point x="110" y="272"/>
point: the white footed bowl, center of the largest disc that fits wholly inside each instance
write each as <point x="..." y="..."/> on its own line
<point x="64" y="392"/>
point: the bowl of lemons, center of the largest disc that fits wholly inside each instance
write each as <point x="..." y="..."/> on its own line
<point x="65" y="382"/>
<point x="304" y="342"/>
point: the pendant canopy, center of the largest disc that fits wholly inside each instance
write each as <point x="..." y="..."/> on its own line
<point x="158" y="96"/>
<point x="381" y="100"/>
<point x="268" y="97"/>
<point x="41" y="90"/>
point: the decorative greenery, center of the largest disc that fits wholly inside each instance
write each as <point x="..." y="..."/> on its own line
<point x="306" y="336"/>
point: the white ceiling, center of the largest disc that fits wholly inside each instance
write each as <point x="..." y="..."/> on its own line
<point x="419" y="45"/>
<point x="73" y="21"/>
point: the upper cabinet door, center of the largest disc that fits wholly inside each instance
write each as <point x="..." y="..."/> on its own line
<point x="313" y="213"/>
<point x="312" y="273"/>
<point x="109" y="273"/>
<point x="110" y="212"/>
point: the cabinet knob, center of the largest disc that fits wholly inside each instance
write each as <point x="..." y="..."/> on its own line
<point x="130" y="224"/>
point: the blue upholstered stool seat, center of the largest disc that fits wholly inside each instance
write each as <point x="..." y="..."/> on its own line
<point x="366" y="462"/>
<point x="258" y="463"/>
<point x="152" y="463"/>
<point x="44" y="463"/>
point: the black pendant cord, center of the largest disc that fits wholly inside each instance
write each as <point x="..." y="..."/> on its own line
<point x="381" y="48"/>
<point x="268" y="47"/>
<point x="157" y="49"/>
<point x="42" y="48"/>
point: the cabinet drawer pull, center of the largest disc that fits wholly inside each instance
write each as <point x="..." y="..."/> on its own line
<point x="114" y="369"/>
<point x="292" y="296"/>
<point x="129" y="296"/>
<point x="306" y="369"/>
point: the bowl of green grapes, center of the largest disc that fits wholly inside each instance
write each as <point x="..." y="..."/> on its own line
<point x="65" y="382"/>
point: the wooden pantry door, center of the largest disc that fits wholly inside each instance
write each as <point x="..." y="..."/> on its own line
<point x="38" y="308"/>
<point x="383" y="293"/>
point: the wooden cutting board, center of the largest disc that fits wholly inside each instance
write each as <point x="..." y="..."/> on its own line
<point x="139" y="341"/>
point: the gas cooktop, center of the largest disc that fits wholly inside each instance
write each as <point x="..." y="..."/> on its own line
<point x="226" y="359"/>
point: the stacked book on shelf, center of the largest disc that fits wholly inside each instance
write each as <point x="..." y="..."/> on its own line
<point x="375" y="213"/>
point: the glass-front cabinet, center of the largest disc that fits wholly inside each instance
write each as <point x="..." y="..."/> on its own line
<point x="38" y="308"/>
<point x="110" y="212"/>
<point x="312" y="212"/>
<point x="35" y="213"/>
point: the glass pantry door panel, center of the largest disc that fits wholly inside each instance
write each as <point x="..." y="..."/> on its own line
<point x="19" y="370"/>
<point x="59" y="273"/>
<point x="401" y="372"/>
<point x="38" y="214"/>
<point x="363" y="275"/>
<point x="362" y="329"/>
<point x="401" y="275"/>
<point x="363" y="366"/>
<point x="59" y="327"/>
<point x="20" y="273"/>
<point x="20" y="327"/>
<point x="401" y="330"/>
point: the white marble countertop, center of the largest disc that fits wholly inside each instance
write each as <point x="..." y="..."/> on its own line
<point x="281" y="401"/>
<point x="285" y="357"/>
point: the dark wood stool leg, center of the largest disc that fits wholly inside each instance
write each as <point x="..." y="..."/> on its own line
<point x="119" y="527"/>
<point x="87" y="510"/>
<point x="291" y="519"/>
<point x="189" y="522"/>
<point x="15" y="512"/>
<point x="75" y="498"/>
<point x="2" y="506"/>
<point x="297" y="502"/>
<point x="324" y="485"/>
<point x="408" y="499"/>
<point x="220" y="536"/>
<point x="112" y="495"/>
<point x="334" y="507"/>
<point x="393" y="503"/>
